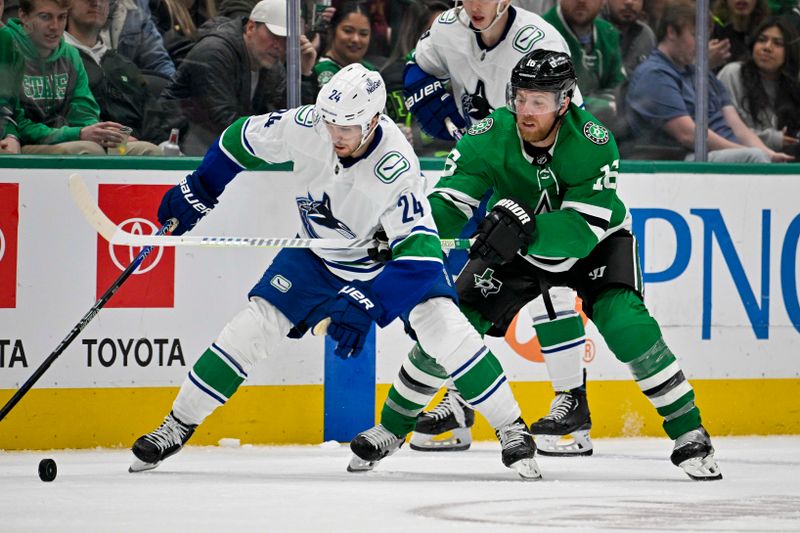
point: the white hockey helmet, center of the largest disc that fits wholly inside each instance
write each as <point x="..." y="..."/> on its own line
<point x="351" y="98"/>
<point x="502" y="7"/>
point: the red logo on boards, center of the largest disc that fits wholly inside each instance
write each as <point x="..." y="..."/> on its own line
<point x="134" y="207"/>
<point x="9" y="222"/>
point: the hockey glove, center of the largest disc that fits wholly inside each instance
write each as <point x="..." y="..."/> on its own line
<point x="381" y="253"/>
<point x="506" y="230"/>
<point x="188" y="202"/>
<point x="352" y="313"/>
<point x="430" y="103"/>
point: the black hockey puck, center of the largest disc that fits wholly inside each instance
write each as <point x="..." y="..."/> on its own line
<point x="47" y="470"/>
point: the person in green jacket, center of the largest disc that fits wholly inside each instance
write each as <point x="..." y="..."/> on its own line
<point x="10" y="77"/>
<point x="56" y="112"/>
<point x="594" y="46"/>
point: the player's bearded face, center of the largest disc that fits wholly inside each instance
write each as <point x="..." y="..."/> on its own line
<point x="345" y="139"/>
<point x="536" y="112"/>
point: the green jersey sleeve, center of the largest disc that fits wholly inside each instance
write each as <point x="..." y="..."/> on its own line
<point x="458" y="192"/>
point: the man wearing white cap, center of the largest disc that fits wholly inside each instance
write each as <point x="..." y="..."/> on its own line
<point x="235" y="70"/>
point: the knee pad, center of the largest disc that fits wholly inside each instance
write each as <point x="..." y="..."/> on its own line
<point x="563" y="299"/>
<point x="251" y="334"/>
<point x="444" y="332"/>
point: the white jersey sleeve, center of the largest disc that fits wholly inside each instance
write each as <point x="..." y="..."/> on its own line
<point x="479" y="74"/>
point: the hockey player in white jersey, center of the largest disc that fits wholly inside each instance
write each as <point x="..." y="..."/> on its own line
<point x="355" y="175"/>
<point x="475" y="46"/>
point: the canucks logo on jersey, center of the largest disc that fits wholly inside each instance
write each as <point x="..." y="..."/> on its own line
<point x="315" y="213"/>
<point x="476" y="105"/>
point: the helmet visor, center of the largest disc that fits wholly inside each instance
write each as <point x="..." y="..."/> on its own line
<point x="531" y="102"/>
<point x="343" y="135"/>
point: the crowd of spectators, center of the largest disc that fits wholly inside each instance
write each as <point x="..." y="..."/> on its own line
<point x="84" y="76"/>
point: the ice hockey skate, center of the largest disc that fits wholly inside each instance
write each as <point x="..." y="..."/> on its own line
<point x="453" y="415"/>
<point x="694" y="453"/>
<point x="165" y="441"/>
<point x="372" y="445"/>
<point x="519" y="450"/>
<point x="564" y="431"/>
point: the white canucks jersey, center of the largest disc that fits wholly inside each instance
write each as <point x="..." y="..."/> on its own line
<point x="344" y="199"/>
<point x="479" y="75"/>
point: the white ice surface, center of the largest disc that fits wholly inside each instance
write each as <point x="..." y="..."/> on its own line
<point x="629" y="484"/>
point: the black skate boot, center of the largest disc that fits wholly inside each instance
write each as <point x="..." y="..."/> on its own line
<point x="694" y="453"/>
<point x="564" y="431"/>
<point x="163" y="442"/>
<point x="451" y="414"/>
<point x="371" y="446"/>
<point x="519" y="449"/>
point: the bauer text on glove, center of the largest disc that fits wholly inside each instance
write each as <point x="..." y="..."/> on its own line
<point x="188" y="201"/>
<point x="430" y="103"/>
<point x="352" y="314"/>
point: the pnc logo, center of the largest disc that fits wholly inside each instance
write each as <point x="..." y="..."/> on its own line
<point x="137" y="226"/>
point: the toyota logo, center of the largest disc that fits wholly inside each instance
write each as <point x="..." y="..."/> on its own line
<point x="137" y="226"/>
<point x="2" y="245"/>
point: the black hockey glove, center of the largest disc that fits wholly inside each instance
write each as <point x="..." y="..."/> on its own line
<point x="381" y="253"/>
<point x="188" y="201"/>
<point x="506" y="230"/>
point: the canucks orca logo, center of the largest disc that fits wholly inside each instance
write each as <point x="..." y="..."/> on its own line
<point x="316" y="213"/>
<point x="475" y="104"/>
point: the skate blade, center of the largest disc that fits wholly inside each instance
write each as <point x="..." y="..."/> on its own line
<point x="457" y="440"/>
<point x="576" y="444"/>
<point x="140" y="466"/>
<point x="702" y="468"/>
<point x="527" y="469"/>
<point x="357" y="464"/>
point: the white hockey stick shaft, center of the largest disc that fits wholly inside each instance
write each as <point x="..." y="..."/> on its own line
<point x="116" y="235"/>
<point x="452" y="129"/>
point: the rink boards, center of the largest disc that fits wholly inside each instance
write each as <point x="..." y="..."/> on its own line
<point x="720" y="250"/>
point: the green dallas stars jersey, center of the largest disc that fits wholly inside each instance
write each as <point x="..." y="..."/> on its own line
<point x="574" y="195"/>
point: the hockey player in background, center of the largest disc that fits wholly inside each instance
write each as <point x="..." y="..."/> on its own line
<point x="355" y="175"/>
<point x="475" y="46"/>
<point x="542" y="147"/>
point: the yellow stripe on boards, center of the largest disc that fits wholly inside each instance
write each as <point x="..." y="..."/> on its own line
<point x="619" y="409"/>
<point x="86" y="418"/>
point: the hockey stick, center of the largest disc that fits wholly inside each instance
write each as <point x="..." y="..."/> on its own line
<point x="23" y="390"/>
<point x="452" y="129"/>
<point x="116" y="235"/>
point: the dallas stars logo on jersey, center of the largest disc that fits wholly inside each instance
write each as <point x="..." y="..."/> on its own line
<point x="597" y="133"/>
<point x="481" y="127"/>
<point x="487" y="283"/>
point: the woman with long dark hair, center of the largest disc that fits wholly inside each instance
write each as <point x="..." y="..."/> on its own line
<point x="765" y="88"/>
<point x="350" y="31"/>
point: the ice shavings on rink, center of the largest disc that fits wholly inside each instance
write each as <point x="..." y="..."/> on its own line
<point x="629" y="484"/>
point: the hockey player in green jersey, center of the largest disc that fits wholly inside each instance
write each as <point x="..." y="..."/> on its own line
<point x="475" y="46"/>
<point x="555" y="219"/>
